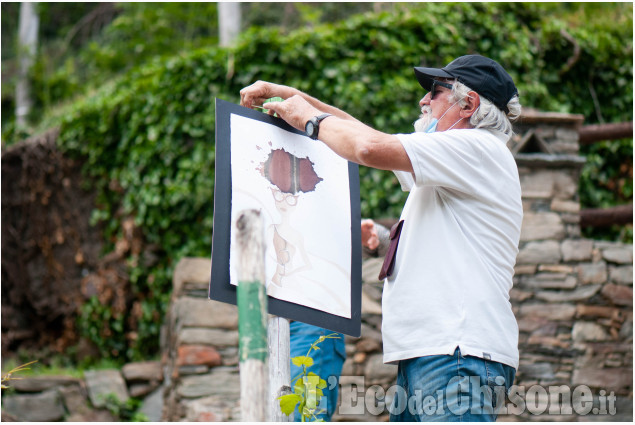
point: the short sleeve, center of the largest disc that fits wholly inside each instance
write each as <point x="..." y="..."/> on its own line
<point x="463" y="160"/>
<point x="406" y="180"/>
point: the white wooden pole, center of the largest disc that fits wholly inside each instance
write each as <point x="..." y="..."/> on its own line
<point x="252" y="318"/>
<point x="279" y="367"/>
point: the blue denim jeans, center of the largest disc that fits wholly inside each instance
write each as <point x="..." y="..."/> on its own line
<point x="328" y="361"/>
<point x="452" y="388"/>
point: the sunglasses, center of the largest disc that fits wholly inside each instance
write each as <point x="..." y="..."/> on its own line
<point x="435" y="83"/>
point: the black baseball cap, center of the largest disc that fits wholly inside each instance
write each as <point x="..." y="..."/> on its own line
<point x="483" y="75"/>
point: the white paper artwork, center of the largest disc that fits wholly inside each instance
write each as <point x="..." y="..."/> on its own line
<point x="302" y="190"/>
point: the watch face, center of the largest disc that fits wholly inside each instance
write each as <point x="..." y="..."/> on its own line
<point x="310" y="128"/>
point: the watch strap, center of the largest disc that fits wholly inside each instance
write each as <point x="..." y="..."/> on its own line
<point x="316" y="122"/>
<point x="319" y="118"/>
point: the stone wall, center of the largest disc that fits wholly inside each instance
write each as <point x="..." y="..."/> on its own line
<point x="573" y="297"/>
<point x="200" y="350"/>
<point x="64" y="398"/>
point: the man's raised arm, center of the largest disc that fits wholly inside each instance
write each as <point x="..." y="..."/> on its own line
<point x="346" y="136"/>
<point x="260" y="91"/>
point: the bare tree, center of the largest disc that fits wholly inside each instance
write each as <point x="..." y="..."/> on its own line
<point x="27" y="47"/>
<point x="228" y="22"/>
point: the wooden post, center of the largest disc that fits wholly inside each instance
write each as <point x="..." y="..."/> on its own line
<point x="604" y="217"/>
<point x="252" y="318"/>
<point x="279" y="367"/>
<point x="599" y="132"/>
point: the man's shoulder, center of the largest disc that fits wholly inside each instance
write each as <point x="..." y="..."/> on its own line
<point x="477" y="133"/>
<point x="482" y="139"/>
<point x="457" y="141"/>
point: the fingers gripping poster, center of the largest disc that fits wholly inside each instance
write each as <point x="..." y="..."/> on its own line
<point x="310" y="217"/>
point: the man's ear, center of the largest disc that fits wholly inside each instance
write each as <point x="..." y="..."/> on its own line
<point x="473" y="101"/>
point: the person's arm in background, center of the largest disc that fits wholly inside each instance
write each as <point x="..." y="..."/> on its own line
<point x="375" y="239"/>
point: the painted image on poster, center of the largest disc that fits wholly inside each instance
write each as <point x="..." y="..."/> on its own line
<point x="302" y="190"/>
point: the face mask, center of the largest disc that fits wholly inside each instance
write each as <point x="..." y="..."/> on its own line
<point x="433" y="124"/>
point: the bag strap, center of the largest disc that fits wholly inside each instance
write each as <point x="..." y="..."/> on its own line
<point x="389" y="261"/>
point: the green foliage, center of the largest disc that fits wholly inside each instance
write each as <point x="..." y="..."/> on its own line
<point x="607" y="180"/>
<point x="307" y="386"/>
<point x="10" y="19"/>
<point x="124" y="411"/>
<point x="146" y="30"/>
<point x="81" y="44"/>
<point x="139" y="32"/>
<point x="599" y="85"/>
<point x="109" y="339"/>
<point x="147" y="136"/>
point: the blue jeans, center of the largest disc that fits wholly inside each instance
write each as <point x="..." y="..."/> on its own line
<point x="328" y="361"/>
<point x="450" y="389"/>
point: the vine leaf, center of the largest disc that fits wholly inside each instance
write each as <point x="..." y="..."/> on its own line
<point x="288" y="403"/>
<point x="302" y="361"/>
<point x="298" y="387"/>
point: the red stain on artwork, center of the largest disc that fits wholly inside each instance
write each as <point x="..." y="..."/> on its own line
<point x="289" y="173"/>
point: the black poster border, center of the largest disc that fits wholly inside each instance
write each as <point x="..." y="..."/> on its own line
<point x="220" y="288"/>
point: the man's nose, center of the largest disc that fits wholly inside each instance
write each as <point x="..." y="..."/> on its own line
<point x="425" y="100"/>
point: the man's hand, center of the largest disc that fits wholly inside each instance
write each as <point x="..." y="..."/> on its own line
<point x="369" y="234"/>
<point x="295" y="111"/>
<point x="260" y="91"/>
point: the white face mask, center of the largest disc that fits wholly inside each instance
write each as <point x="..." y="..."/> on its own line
<point x="420" y="124"/>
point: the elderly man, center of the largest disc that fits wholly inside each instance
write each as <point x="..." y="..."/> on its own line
<point x="447" y="319"/>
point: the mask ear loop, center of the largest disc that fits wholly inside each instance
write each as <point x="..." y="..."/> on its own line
<point x="446" y="111"/>
<point x="452" y="126"/>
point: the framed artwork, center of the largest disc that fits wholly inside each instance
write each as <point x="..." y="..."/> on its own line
<point x="308" y="198"/>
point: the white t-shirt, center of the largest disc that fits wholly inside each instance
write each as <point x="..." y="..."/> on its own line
<point x="458" y="246"/>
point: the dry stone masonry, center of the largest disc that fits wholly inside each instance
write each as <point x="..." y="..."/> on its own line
<point x="62" y="398"/>
<point x="200" y="350"/>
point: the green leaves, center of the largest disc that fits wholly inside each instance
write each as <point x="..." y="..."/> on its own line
<point x="303" y="361"/>
<point x="288" y="403"/>
<point x="307" y="386"/>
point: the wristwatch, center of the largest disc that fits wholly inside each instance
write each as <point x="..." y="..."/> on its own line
<point x="312" y="126"/>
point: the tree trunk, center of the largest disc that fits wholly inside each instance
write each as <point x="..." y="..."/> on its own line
<point x="228" y="22"/>
<point x="27" y="47"/>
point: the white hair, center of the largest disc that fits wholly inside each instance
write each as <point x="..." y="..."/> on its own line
<point x="488" y="116"/>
